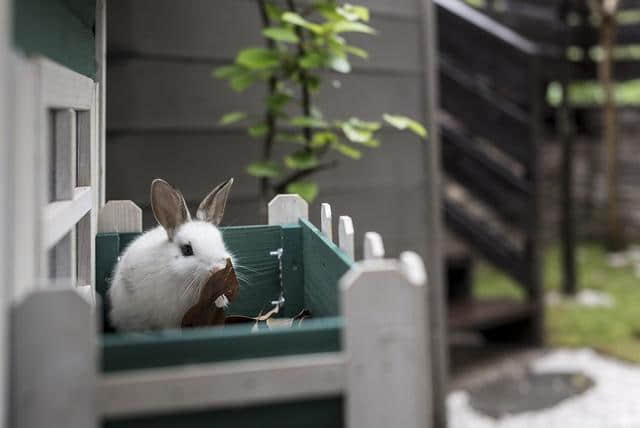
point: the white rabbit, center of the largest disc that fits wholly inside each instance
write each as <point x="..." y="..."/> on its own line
<point x="160" y="275"/>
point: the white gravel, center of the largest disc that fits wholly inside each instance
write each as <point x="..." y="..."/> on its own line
<point x="613" y="402"/>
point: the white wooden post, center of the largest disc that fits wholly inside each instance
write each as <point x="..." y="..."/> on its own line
<point x="373" y="246"/>
<point x="346" y="236"/>
<point x="53" y="361"/>
<point x="326" y="225"/>
<point x="120" y="217"/>
<point x="6" y="250"/>
<point x="385" y="340"/>
<point x="287" y="209"/>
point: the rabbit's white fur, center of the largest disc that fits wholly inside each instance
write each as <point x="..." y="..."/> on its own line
<point x="154" y="284"/>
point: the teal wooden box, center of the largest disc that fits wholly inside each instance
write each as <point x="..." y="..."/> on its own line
<point x="308" y="274"/>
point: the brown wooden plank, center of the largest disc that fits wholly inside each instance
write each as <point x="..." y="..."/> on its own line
<point x="491" y="244"/>
<point x="484" y="114"/>
<point x="480" y="315"/>
<point x="482" y="53"/>
<point x="488" y="180"/>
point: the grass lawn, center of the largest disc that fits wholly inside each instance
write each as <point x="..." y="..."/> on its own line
<point x="614" y="331"/>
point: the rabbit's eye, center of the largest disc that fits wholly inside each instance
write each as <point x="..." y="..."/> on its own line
<point x="187" y="250"/>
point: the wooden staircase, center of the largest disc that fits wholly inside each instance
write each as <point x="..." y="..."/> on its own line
<point x="491" y="88"/>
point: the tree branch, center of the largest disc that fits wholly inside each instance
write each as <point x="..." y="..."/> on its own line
<point x="282" y="186"/>
<point x="304" y="80"/>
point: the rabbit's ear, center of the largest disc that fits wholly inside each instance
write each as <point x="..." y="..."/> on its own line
<point x="211" y="208"/>
<point x="169" y="206"/>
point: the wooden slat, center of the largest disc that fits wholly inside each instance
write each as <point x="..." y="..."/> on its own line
<point x="323" y="265"/>
<point x="53" y="361"/>
<point x="485" y="24"/>
<point x="488" y="180"/>
<point x="346" y="236"/>
<point x="386" y="338"/>
<point x="491" y="245"/>
<point x="198" y="100"/>
<point x="64" y="165"/>
<point x="287" y="209"/>
<point x="222" y="385"/>
<point x="63" y="88"/>
<point x="501" y="65"/>
<point x="208" y="36"/>
<point x="485" y="115"/>
<point x="479" y="315"/>
<point x="60" y="217"/>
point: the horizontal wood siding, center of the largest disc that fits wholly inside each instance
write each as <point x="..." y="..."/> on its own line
<point x="163" y="109"/>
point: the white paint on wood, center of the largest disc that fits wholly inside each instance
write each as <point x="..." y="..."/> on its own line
<point x="28" y="161"/>
<point x="54" y="361"/>
<point x="63" y="88"/>
<point x="120" y="217"/>
<point x="100" y="111"/>
<point x="62" y="258"/>
<point x="85" y="239"/>
<point x="287" y="209"/>
<point x="87" y="292"/>
<point x="61" y="217"/>
<point x="373" y="246"/>
<point x="385" y="338"/>
<point x="326" y="221"/>
<point x="221" y="385"/>
<point x="64" y="154"/>
<point x="5" y="170"/>
<point x="413" y="266"/>
<point x="346" y="236"/>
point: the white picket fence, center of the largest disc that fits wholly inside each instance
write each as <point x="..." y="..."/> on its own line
<point x="383" y="371"/>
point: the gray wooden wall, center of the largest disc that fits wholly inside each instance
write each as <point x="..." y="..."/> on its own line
<point x="163" y="108"/>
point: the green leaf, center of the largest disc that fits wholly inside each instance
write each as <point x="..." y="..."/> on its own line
<point x="274" y="12"/>
<point x="321" y="139"/>
<point x="308" y="122"/>
<point x="361" y="124"/>
<point x="291" y="138"/>
<point x="306" y="189"/>
<point x="281" y="34"/>
<point x="403" y="122"/>
<point x="354" y="13"/>
<point x="348" y="151"/>
<point x="352" y="27"/>
<point x="268" y="169"/>
<point x="258" y="58"/>
<point x="226" y="71"/>
<point x="258" y="130"/>
<point x="354" y="50"/>
<point x="278" y="100"/>
<point x="313" y="82"/>
<point x="242" y="81"/>
<point x="295" y="19"/>
<point x="340" y="64"/>
<point x="301" y="160"/>
<point x="356" y="135"/>
<point x="312" y="60"/>
<point x="232" y="117"/>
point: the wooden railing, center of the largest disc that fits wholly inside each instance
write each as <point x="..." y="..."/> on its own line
<point x="491" y="89"/>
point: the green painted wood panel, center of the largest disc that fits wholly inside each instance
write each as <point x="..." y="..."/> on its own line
<point x="292" y="270"/>
<point x="258" y="271"/>
<point x="326" y="413"/>
<point x="324" y="265"/>
<point x="62" y="30"/>
<point x="205" y="345"/>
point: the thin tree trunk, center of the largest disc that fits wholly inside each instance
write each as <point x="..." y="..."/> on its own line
<point x="569" y="286"/>
<point x="614" y="238"/>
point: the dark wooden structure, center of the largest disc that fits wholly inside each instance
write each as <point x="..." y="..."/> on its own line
<point x="491" y="90"/>
<point x="496" y="63"/>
